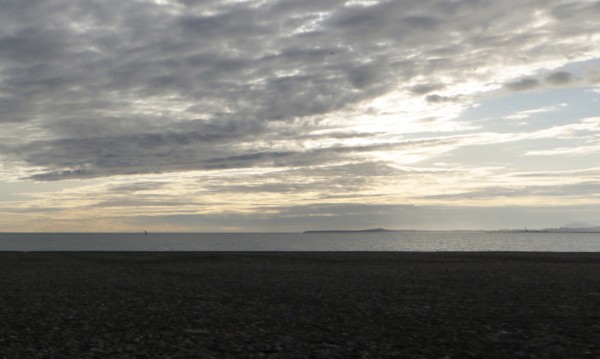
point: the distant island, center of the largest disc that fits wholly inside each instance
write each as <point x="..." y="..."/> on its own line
<point x="354" y="231"/>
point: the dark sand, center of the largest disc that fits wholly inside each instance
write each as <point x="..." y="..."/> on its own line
<point x="299" y="305"/>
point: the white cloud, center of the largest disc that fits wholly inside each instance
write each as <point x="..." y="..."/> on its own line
<point x="521" y="115"/>
<point x="566" y="151"/>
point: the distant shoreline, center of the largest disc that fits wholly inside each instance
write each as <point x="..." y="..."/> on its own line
<point x="383" y="230"/>
<point x="374" y="230"/>
<point x="547" y="231"/>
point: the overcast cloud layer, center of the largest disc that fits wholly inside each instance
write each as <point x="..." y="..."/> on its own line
<point x="190" y="107"/>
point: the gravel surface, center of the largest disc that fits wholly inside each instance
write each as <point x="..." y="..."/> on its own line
<point x="299" y="305"/>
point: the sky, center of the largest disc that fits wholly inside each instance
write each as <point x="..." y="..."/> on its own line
<point x="293" y="115"/>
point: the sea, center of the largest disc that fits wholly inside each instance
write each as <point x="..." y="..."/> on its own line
<point x="410" y="241"/>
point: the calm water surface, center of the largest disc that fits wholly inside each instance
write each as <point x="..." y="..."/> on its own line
<point x="396" y="241"/>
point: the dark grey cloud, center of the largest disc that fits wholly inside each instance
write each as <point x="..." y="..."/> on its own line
<point x="102" y="88"/>
<point x="592" y="74"/>
<point x="86" y="157"/>
<point x="586" y="173"/>
<point x="560" y="78"/>
<point x="91" y="158"/>
<point x="557" y="78"/>
<point x="523" y="84"/>
<point x="137" y="187"/>
<point x="576" y="10"/>
<point x="435" y="98"/>
<point x="423" y="89"/>
<point x="156" y="201"/>
<point x="37" y="209"/>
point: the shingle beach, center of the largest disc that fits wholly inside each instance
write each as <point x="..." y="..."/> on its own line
<point x="299" y="305"/>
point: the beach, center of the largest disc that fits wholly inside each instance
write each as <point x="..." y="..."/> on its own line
<point x="299" y="305"/>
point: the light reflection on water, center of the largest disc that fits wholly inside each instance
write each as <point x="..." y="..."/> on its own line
<point x="389" y="241"/>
